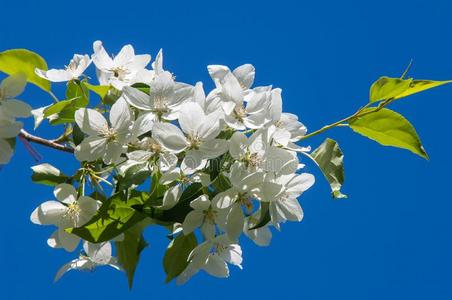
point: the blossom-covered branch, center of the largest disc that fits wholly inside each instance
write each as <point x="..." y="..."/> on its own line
<point x="152" y="151"/>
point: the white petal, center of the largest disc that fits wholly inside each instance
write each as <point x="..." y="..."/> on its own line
<point x="90" y="121"/>
<point x="216" y="266"/>
<point x="91" y="149"/>
<point x="170" y="137"/>
<point x="192" y="221"/>
<point x="62" y="239"/>
<point x="120" y="116"/>
<point x="237" y="144"/>
<point x="124" y="56"/>
<point x="113" y="152"/>
<point x="171" y="197"/>
<point x="191" y="116"/>
<point x="225" y="199"/>
<point x="100" y="57"/>
<point x="200" y="203"/>
<point x="137" y="98"/>
<point x="65" y="193"/>
<point x="48" y="213"/>
<point x="235" y="221"/>
<point x="143" y="124"/>
<point x="194" y="160"/>
<point x="55" y="75"/>
<point x="214" y="148"/>
<point x="245" y="75"/>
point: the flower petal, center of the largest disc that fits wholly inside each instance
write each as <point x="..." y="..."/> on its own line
<point x="170" y="137"/>
<point x="90" y="121"/>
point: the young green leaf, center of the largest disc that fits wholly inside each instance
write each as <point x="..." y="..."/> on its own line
<point x="24" y="61"/>
<point x="389" y="129"/>
<point x="395" y="88"/>
<point x="264" y="217"/>
<point x="129" y="249"/>
<point x="114" y="217"/>
<point x="330" y="159"/>
<point x="176" y="256"/>
<point x="48" y="175"/>
<point x="100" y="90"/>
<point x="418" y="86"/>
<point x="134" y="176"/>
<point x="386" y="88"/>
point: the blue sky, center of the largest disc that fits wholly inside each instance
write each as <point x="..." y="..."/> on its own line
<point x="390" y="240"/>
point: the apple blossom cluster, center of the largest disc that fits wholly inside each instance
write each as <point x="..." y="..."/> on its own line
<point x="178" y="133"/>
<point x="212" y="168"/>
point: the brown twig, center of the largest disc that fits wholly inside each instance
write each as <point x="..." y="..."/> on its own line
<point x="38" y="140"/>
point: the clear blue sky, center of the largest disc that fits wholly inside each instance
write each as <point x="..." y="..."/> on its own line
<point x="392" y="239"/>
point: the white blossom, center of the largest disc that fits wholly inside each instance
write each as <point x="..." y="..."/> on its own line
<point x="95" y="255"/>
<point x="69" y="210"/>
<point x="123" y="70"/>
<point x="213" y="257"/>
<point x="75" y="68"/>
<point x="106" y="141"/>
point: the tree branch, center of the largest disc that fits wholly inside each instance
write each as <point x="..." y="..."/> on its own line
<point x="38" y="140"/>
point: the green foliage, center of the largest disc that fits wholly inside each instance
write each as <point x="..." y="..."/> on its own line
<point x="389" y="129"/>
<point x="176" y="257"/>
<point x="264" y="217"/>
<point x="129" y="249"/>
<point x="114" y="217"/>
<point x="100" y="90"/>
<point x="181" y="209"/>
<point x="330" y="159"/>
<point x="387" y="88"/>
<point x="24" y="61"/>
<point x="77" y="97"/>
<point x="395" y="88"/>
<point x="48" y="175"/>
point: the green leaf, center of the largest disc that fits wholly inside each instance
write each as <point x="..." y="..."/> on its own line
<point x="100" y="90"/>
<point x="395" y="88"/>
<point x="78" y="91"/>
<point x="330" y="159"/>
<point x="264" y="217"/>
<point x="176" y="256"/>
<point x="180" y="210"/>
<point x="386" y="88"/>
<point x="48" y="175"/>
<point x="77" y="135"/>
<point x="221" y="183"/>
<point x="129" y="249"/>
<point x="114" y="217"/>
<point x="389" y="129"/>
<point x="78" y="97"/>
<point x="417" y="86"/>
<point x="24" y="61"/>
<point x="56" y="108"/>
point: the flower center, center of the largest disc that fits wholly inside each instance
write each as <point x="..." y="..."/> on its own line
<point x="253" y="160"/>
<point x="194" y="141"/>
<point x="160" y="104"/>
<point x="239" y="112"/>
<point x="73" y="212"/>
<point x="120" y="73"/>
<point x="109" y="133"/>
<point x="210" y="215"/>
